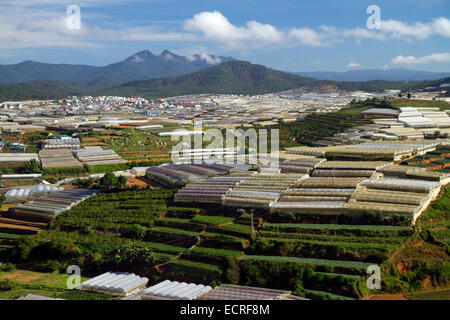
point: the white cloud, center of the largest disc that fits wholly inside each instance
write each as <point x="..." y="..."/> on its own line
<point x="353" y="64"/>
<point x="214" y="26"/>
<point x="42" y="23"/>
<point x="442" y="26"/>
<point x="307" y="36"/>
<point x="411" y="60"/>
<point x="398" y="29"/>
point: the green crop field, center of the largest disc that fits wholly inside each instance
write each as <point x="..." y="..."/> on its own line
<point x="217" y="220"/>
<point x="318" y="262"/>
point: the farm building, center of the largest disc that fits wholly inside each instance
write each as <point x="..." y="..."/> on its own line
<point x="14" y="195"/>
<point x="18" y="157"/>
<point x="115" y="283"/>
<point x="398" y="190"/>
<point x="324" y="195"/>
<point x="423" y="117"/>
<point x="47" y="207"/>
<point x="233" y="292"/>
<point x="210" y="190"/>
<point x="58" y="158"/>
<point x="180" y="133"/>
<point x="385" y="150"/>
<point x="70" y="143"/>
<point x="385" y="112"/>
<point x="302" y="165"/>
<point x="260" y="191"/>
<point x="28" y="176"/>
<point x="174" y="290"/>
<point x="190" y="155"/>
<point x="92" y="156"/>
<point x="182" y="174"/>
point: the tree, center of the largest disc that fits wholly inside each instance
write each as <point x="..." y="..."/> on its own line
<point x="2" y="199"/>
<point x="108" y="181"/>
<point x="30" y="167"/>
<point x="121" y="182"/>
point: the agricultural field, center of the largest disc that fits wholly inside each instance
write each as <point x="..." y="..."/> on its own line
<point x="18" y="283"/>
<point x="442" y="105"/>
<point x="315" y="127"/>
<point x="143" y="231"/>
<point x="136" y="146"/>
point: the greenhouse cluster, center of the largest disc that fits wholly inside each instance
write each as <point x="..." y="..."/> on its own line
<point x="261" y="191"/>
<point x="182" y="174"/>
<point x="97" y="156"/>
<point x="210" y="190"/>
<point x="175" y="290"/>
<point x="23" y="193"/>
<point x="115" y="283"/>
<point x="47" y="207"/>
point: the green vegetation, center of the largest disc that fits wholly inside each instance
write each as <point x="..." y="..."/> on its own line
<point x="10" y="92"/>
<point x="319" y="262"/>
<point x="430" y="295"/>
<point x="217" y="220"/>
<point x="315" y="127"/>
<point x="52" y="285"/>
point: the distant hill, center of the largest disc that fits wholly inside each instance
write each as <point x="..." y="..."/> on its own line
<point x="240" y="77"/>
<point x="368" y="75"/>
<point x="11" y="92"/>
<point x="233" y="77"/>
<point x="140" y="66"/>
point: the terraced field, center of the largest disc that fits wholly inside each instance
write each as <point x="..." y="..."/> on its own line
<point x="319" y="261"/>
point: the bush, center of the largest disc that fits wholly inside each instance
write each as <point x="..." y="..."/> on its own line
<point x="136" y="231"/>
<point x="7" y="267"/>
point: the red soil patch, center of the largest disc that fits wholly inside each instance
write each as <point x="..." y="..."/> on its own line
<point x="402" y="266"/>
<point x="136" y="182"/>
<point x="18" y="227"/>
<point x="21" y="276"/>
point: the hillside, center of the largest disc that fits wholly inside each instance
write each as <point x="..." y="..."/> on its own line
<point x="370" y="75"/>
<point x="231" y="77"/>
<point x="234" y="77"/>
<point x="240" y="77"/>
<point x="140" y="66"/>
<point x="21" y="93"/>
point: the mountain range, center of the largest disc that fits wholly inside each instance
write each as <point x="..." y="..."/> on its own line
<point x="149" y="75"/>
<point x="143" y="65"/>
<point x="373" y="74"/>
<point x="242" y="77"/>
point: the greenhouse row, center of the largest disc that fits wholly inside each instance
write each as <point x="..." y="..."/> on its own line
<point x="208" y="191"/>
<point x="47" y="207"/>
<point x="115" y="283"/>
<point x="260" y="190"/>
<point x="58" y="158"/>
<point x="324" y="195"/>
<point x="387" y="150"/>
<point x="303" y="165"/>
<point x="182" y="174"/>
<point x="23" y="193"/>
<point x="175" y="290"/>
<point x="97" y="156"/>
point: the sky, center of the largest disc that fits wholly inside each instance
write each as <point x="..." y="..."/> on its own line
<point x="289" y="35"/>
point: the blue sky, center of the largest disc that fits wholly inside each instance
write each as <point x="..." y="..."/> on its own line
<point x="283" y="34"/>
